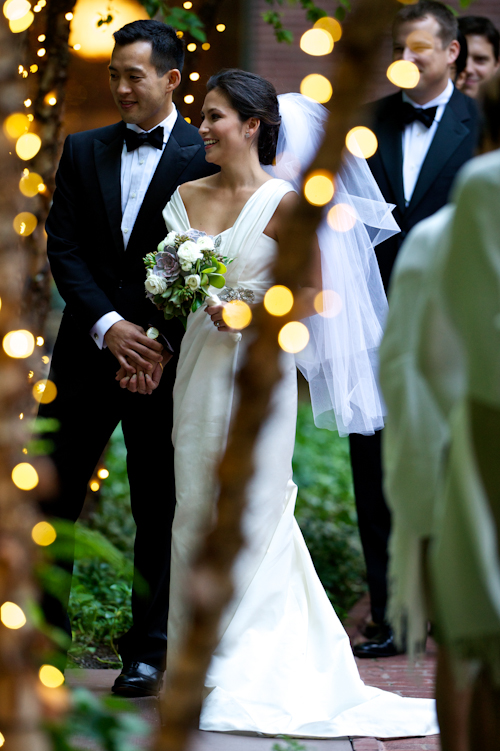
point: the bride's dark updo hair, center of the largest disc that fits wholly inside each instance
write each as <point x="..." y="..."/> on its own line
<point x="252" y="96"/>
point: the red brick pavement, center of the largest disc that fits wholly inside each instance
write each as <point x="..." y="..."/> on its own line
<point x="394" y="674"/>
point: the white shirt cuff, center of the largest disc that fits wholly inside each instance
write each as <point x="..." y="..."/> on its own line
<point x="99" y="329"/>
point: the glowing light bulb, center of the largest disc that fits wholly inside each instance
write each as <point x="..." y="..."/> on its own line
<point x="103" y="473"/>
<point x="42" y="38"/>
<point x="27" y="102"/>
<point x="40" y="341"/>
<point x="50" y="676"/>
<point x="237" y="314"/>
<point x="293" y="337"/>
<point x="77" y="47"/>
<point x="316" y="87"/>
<point x="194" y="76"/>
<point x="180" y="34"/>
<point x="205" y="46"/>
<point x="187" y="5"/>
<point x="18" y="344"/>
<point x="44" y="391"/>
<point x="278" y="301"/>
<point x="16" y="125"/>
<point x="50" y="99"/>
<point x="187" y="119"/>
<point x="361" y="142"/>
<point x="319" y="188"/>
<point x="328" y="303"/>
<point x="25" y="223"/>
<point x="43" y="534"/>
<point x="24" y="476"/>
<point x="28" y="145"/>
<point x="15" y="9"/>
<point x="94" y="486"/>
<point x="191" y="47"/>
<point x="41" y="52"/>
<point x="12" y="616"/>
<point x="221" y="27"/>
<point x="331" y="25"/>
<point x="316" y="42"/>
<point x="29" y="184"/>
<point x="189" y="99"/>
<point x="404" y="74"/>
<point x="68" y="16"/>
<point x="33" y="68"/>
<point x="342" y="217"/>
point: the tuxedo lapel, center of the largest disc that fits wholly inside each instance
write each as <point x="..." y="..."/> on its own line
<point x="108" y="166"/>
<point x="391" y="148"/>
<point x="177" y="154"/>
<point x="450" y="133"/>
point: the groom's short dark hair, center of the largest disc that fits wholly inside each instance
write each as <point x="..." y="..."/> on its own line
<point x="448" y="24"/>
<point x="167" y="50"/>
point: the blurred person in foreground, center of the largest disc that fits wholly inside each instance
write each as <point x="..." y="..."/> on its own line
<point x="425" y="135"/>
<point x="440" y="362"/>
<point x="483" y="53"/>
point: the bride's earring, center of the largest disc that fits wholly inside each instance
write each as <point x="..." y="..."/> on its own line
<point x="247" y="135"/>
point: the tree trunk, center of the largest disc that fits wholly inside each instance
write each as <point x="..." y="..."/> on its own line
<point x="211" y="580"/>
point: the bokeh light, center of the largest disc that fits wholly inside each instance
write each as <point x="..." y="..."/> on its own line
<point x="14" y="9"/>
<point x="43" y="534"/>
<point x="404" y="74"/>
<point x="205" y="46"/>
<point x="221" y="27"/>
<point x="319" y="188"/>
<point x="16" y="125"/>
<point x="18" y="343"/>
<point x="44" y="391"/>
<point x="94" y="486"/>
<point x="96" y="42"/>
<point x="237" y="314"/>
<point x="293" y="337"/>
<point x="31" y="184"/>
<point x="68" y="16"/>
<point x="12" y="616"/>
<point x="331" y="25"/>
<point x="420" y="42"/>
<point x="316" y="42"/>
<point x="194" y="76"/>
<point x="187" y="119"/>
<point x="191" y="47"/>
<point x="41" y="52"/>
<point x="2" y="740"/>
<point x="187" y="5"/>
<point x="316" y="87"/>
<point x="328" y="303"/>
<point x="40" y="341"/>
<point x="21" y="24"/>
<point x="103" y="473"/>
<point x="278" y="301"/>
<point x="50" y="99"/>
<point x="189" y="99"/>
<point x="25" y="223"/>
<point x="28" y="145"/>
<point x="342" y="217"/>
<point x="50" y="676"/>
<point x="361" y="142"/>
<point x="24" y="476"/>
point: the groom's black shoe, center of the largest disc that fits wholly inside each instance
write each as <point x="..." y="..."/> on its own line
<point x="382" y="645"/>
<point x="138" y="679"/>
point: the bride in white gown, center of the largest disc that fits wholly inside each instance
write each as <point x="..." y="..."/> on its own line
<point x="284" y="663"/>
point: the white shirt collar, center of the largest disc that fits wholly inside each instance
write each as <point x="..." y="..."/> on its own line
<point x="443" y="98"/>
<point x="167" y="125"/>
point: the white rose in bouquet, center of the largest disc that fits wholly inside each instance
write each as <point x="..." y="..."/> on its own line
<point x="155" y="284"/>
<point x="188" y="253"/>
<point x="168" y="241"/>
<point x="205" y="243"/>
<point x="192" y="281"/>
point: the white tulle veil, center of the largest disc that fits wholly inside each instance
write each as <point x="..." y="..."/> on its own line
<point x="340" y="361"/>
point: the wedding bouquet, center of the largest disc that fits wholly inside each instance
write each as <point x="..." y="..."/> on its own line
<point x="180" y="272"/>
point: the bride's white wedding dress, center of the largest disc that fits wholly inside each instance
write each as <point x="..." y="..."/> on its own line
<point x="284" y="664"/>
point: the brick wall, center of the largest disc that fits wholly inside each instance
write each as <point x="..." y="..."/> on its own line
<point x="286" y="65"/>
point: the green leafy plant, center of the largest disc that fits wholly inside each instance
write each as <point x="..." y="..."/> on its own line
<point x="291" y="745"/>
<point x="179" y="18"/>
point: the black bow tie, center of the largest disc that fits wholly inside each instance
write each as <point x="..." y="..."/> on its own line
<point x="409" y="114"/>
<point x="134" y="139"/>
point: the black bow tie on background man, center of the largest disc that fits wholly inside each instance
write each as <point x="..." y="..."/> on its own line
<point x="134" y="139"/>
<point x="409" y="114"/>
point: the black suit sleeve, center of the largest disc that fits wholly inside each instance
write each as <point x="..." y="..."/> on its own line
<point x="70" y="270"/>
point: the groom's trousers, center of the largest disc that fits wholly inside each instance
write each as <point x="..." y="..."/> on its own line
<point x="374" y="518"/>
<point x="88" y="407"/>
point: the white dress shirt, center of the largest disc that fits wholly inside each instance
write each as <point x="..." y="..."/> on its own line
<point x="137" y="170"/>
<point x="417" y="139"/>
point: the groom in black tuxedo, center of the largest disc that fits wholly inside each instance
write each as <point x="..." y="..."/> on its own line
<point x="111" y="186"/>
<point x="424" y="137"/>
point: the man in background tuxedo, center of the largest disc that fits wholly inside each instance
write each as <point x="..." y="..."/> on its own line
<point x="424" y="137"/>
<point x="483" y="53"/>
<point x="111" y="186"/>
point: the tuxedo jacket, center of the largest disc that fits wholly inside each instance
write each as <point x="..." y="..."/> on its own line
<point x="92" y="270"/>
<point x="453" y="144"/>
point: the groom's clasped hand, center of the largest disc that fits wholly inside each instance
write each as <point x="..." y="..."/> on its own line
<point x="141" y="358"/>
